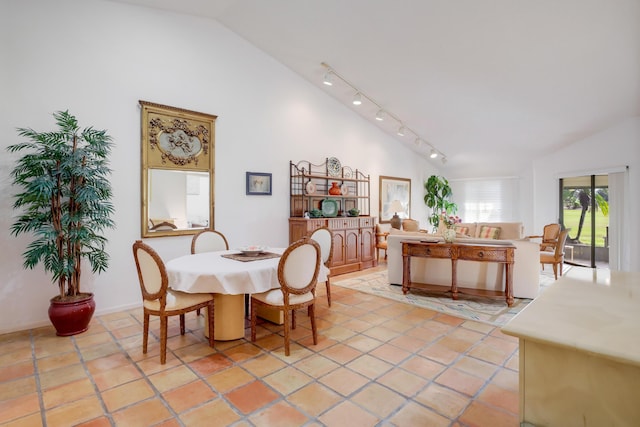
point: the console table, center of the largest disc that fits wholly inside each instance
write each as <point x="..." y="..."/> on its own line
<point x="457" y="251"/>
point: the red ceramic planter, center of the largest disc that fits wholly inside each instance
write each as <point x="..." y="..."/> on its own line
<point x="71" y="318"/>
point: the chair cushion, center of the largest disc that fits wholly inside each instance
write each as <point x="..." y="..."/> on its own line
<point x="323" y="237"/>
<point x="208" y="241"/>
<point x="276" y="298"/>
<point x="548" y="257"/>
<point x="487" y="232"/>
<point x="298" y="269"/>
<point x="177" y="300"/>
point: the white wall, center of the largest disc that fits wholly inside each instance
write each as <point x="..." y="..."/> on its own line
<point x="604" y="152"/>
<point x="97" y="59"/>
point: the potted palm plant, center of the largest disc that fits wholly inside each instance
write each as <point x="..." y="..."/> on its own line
<point x="64" y="202"/>
<point x="437" y="197"/>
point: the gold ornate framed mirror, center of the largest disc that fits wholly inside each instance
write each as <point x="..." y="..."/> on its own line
<point x="178" y="152"/>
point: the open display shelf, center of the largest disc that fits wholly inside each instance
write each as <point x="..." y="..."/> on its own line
<point x="310" y="186"/>
<point x="353" y="236"/>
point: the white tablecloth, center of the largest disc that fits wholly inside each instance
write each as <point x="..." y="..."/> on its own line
<point x="209" y="272"/>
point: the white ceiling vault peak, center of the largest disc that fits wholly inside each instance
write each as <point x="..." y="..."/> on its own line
<point x="490" y="84"/>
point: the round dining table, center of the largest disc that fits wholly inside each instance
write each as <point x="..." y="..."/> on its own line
<point x="229" y="276"/>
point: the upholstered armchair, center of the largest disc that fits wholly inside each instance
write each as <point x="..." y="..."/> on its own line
<point x="381" y="242"/>
<point x="550" y="234"/>
<point x="555" y="258"/>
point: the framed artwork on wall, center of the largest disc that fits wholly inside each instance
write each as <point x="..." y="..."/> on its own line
<point x="395" y="197"/>
<point x="258" y="184"/>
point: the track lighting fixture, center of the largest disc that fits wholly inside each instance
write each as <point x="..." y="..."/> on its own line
<point x="444" y="160"/>
<point x="381" y="114"/>
<point x="328" y="80"/>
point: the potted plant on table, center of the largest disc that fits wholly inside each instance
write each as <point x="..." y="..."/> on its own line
<point x="65" y="204"/>
<point x="438" y="199"/>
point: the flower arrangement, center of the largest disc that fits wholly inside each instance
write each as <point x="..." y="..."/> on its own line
<point x="450" y="221"/>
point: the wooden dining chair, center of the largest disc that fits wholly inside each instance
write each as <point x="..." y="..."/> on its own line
<point x="208" y="241"/>
<point x="324" y="237"/>
<point x="159" y="300"/>
<point x="555" y="258"/>
<point x="298" y="270"/>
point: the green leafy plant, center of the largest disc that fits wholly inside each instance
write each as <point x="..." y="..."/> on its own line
<point x="64" y="199"/>
<point x="437" y="198"/>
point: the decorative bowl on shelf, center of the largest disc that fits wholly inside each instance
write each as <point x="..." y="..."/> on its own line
<point x="353" y="212"/>
<point x="315" y="213"/>
<point x="252" y="250"/>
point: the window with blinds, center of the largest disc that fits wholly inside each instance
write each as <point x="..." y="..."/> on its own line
<point x="486" y="200"/>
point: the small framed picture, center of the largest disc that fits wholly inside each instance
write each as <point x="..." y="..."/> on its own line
<point x="258" y="184"/>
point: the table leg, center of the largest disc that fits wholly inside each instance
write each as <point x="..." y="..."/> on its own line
<point x="228" y="318"/>
<point x="508" y="285"/>
<point x="406" y="273"/>
<point x="454" y="278"/>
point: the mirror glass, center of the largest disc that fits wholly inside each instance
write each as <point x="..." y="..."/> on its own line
<point x="177" y="171"/>
<point x="178" y="200"/>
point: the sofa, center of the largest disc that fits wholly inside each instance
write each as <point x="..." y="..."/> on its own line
<point x="471" y="274"/>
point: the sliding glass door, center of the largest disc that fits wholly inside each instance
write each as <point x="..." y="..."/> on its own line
<point x="584" y="210"/>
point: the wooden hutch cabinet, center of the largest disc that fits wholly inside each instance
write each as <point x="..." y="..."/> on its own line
<point x="353" y="236"/>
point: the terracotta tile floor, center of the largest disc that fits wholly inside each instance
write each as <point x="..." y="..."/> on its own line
<point x="377" y="363"/>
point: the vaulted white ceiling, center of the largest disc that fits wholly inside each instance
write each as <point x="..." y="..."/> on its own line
<point x="490" y="84"/>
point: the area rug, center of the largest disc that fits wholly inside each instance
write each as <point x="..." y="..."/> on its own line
<point x="491" y="310"/>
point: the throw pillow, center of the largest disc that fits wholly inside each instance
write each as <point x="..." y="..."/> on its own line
<point x="462" y="230"/>
<point x="487" y="232"/>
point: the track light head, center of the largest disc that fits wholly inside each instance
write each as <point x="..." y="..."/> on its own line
<point x="330" y="75"/>
<point x="444" y="160"/>
<point x="328" y="79"/>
